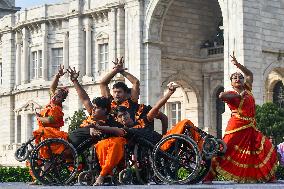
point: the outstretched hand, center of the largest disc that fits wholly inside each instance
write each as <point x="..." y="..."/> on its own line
<point x="119" y="65"/>
<point x="172" y="87"/>
<point x="61" y="71"/>
<point x="73" y="73"/>
<point x="234" y="60"/>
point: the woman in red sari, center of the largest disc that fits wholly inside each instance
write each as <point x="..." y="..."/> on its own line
<point x="250" y="156"/>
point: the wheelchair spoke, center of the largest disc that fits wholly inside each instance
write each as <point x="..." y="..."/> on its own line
<point x="50" y="151"/>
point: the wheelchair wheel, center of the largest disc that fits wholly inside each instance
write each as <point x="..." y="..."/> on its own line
<point x="222" y="147"/>
<point x="22" y="153"/>
<point x="179" y="162"/>
<point x="87" y="178"/>
<point x="209" y="147"/>
<point x="204" y="168"/>
<point x="51" y="166"/>
<point x="125" y="176"/>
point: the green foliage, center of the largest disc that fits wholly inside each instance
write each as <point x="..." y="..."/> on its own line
<point x="270" y="121"/>
<point x="76" y="120"/>
<point x="279" y="173"/>
<point x="14" y="174"/>
<point x="183" y="173"/>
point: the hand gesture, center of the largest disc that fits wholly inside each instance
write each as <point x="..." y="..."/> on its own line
<point x="243" y="93"/>
<point x="234" y="60"/>
<point x="94" y="132"/>
<point x="37" y="114"/>
<point x="172" y="87"/>
<point x="61" y="71"/>
<point x="118" y="65"/>
<point x="73" y="73"/>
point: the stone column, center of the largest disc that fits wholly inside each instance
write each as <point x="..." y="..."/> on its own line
<point x="89" y="48"/>
<point x="8" y="60"/>
<point x="66" y="51"/>
<point x="44" y="29"/>
<point x="151" y="78"/>
<point x="120" y="45"/>
<point x="206" y="102"/>
<point x="76" y="57"/>
<point x="25" y="57"/>
<point x="18" y="59"/>
<point x="112" y="16"/>
<point x="233" y="41"/>
<point x="134" y="49"/>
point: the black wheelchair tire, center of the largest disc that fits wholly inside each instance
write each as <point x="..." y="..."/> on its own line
<point x="35" y="161"/>
<point x="156" y="159"/>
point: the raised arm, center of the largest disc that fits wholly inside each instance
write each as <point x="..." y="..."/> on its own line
<point x="81" y="92"/>
<point x="248" y="74"/>
<point x="105" y="91"/>
<point x="154" y="111"/>
<point x="55" y="80"/>
<point x="109" y="130"/>
<point x="135" y="90"/>
<point x="229" y="95"/>
<point x="165" y="122"/>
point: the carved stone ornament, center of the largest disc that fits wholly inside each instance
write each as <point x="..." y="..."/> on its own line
<point x="30" y="106"/>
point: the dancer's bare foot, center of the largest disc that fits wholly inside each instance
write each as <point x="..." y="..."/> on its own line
<point x="99" y="181"/>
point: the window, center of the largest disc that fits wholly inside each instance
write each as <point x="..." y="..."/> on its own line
<point x="39" y="64"/>
<point x="57" y="60"/>
<point x="1" y="72"/>
<point x="174" y="109"/>
<point x="278" y="94"/>
<point x="34" y="123"/>
<point x="19" y="132"/>
<point x="36" y="65"/>
<point x="103" y="57"/>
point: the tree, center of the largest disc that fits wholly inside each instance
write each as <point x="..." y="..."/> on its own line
<point x="76" y="120"/>
<point x="270" y="121"/>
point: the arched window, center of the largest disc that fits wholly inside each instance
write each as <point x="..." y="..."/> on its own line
<point x="220" y="109"/>
<point x="102" y="51"/>
<point x="278" y="94"/>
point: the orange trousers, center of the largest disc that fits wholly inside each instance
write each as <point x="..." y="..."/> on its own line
<point x="110" y="152"/>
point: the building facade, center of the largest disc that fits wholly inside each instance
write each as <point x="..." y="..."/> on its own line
<point x="185" y="41"/>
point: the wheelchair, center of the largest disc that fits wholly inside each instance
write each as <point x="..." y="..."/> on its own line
<point x="58" y="167"/>
<point x="146" y="161"/>
<point x="185" y="159"/>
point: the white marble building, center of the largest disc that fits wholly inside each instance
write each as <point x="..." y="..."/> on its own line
<point x="161" y="40"/>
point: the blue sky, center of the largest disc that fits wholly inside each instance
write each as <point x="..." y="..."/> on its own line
<point x="31" y="3"/>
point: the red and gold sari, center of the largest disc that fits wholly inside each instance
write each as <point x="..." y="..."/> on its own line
<point x="250" y="156"/>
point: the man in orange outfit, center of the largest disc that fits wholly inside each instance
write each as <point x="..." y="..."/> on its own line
<point x="99" y="116"/>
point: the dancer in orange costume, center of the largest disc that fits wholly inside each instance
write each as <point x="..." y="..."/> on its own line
<point x="99" y="117"/>
<point x="50" y="119"/>
<point x="124" y="96"/>
<point x="250" y="156"/>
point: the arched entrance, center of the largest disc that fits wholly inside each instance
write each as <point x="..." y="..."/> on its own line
<point x="181" y="38"/>
<point x="274" y="86"/>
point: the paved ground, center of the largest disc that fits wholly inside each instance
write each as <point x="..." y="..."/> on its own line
<point x="227" y="185"/>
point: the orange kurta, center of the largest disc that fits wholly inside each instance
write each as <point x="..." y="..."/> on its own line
<point x="51" y="130"/>
<point x="250" y="156"/>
